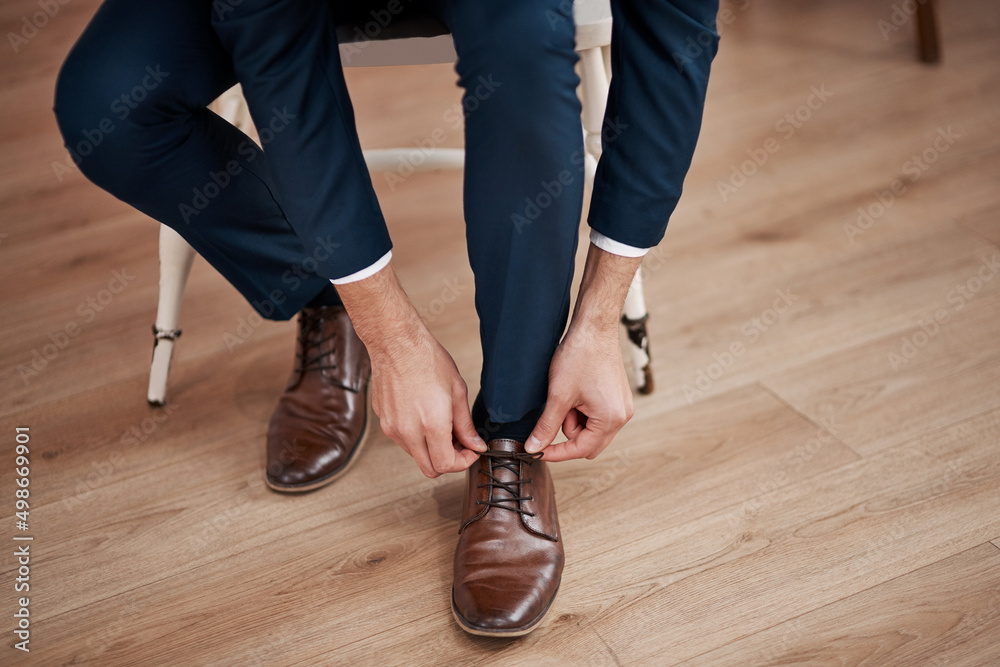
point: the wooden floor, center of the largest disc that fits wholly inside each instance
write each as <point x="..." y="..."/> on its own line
<point x="831" y="495"/>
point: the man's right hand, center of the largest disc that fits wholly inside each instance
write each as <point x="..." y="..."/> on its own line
<point x="417" y="392"/>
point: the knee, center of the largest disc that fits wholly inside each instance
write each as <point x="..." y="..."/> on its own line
<point x="97" y="105"/>
<point x="83" y="113"/>
<point x="518" y="50"/>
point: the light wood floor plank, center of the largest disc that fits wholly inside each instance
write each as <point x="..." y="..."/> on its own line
<point x="888" y="391"/>
<point x="207" y="526"/>
<point x="855" y="526"/>
<point x="947" y="613"/>
<point x="810" y="502"/>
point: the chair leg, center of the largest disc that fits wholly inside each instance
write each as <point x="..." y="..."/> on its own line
<point x="927" y="32"/>
<point x="594" y="86"/>
<point x="232" y="106"/>
<point x="176" y="257"/>
<point x="634" y="319"/>
<point x="595" y="76"/>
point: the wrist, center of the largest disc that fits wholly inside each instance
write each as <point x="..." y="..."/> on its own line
<point x="381" y="312"/>
<point x="595" y="319"/>
<point x="603" y="287"/>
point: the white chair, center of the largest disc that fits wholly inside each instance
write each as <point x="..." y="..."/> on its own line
<point x="593" y="39"/>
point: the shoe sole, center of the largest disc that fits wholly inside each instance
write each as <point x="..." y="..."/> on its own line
<point x="336" y="474"/>
<point x="516" y="632"/>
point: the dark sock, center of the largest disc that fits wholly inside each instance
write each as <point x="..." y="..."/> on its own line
<point x="508" y="430"/>
<point x="327" y="297"/>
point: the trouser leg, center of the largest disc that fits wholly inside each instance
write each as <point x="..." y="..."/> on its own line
<point x="523" y="194"/>
<point x="661" y="53"/>
<point x="286" y="57"/>
<point x="131" y="104"/>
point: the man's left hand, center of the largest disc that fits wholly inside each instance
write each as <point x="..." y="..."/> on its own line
<point x="589" y="397"/>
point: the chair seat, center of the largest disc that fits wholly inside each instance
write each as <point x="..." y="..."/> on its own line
<point x="367" y="21"/>
<point x="371" y="36"/>
<point x="593" y="23"/>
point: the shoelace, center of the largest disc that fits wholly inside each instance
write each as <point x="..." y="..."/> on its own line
<point x="304" y="363"/>
<point x="511" y="462"/>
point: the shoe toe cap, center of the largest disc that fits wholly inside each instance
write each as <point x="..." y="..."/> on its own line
<point x="498" y="607"/>
<point x="296" y="460"/>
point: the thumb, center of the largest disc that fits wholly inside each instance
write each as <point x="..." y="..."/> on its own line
<point x="548" y="425"/>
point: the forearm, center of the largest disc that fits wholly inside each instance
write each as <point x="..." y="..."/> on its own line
<point x="417" y="391"/>
<point x="381" y="312"/>
<point x="603" y="287"/>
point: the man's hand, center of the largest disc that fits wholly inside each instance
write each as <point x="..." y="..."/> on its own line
<point x="589" y="395"/>
<point x="417" y="391"/>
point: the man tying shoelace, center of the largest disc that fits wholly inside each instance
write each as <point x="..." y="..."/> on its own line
<point x="308" y="193"/>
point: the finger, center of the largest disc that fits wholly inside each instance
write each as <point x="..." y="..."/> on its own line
<point x="564" y="451"/>
<point x="575" y="422"/>
<point x="547" y="428"/>
<point x="590" y="442"/>
<point x="418" y="450"/>
<point x="464" y="429"/>
<point x="465" y="458"/>
<point x="442" y="452"/>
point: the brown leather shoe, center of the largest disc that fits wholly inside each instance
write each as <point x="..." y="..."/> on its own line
<point x="509" y="559"/>
<point x="319" y="425"/>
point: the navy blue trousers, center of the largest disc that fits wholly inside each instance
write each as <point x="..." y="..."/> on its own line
<point x="279" y="223"/>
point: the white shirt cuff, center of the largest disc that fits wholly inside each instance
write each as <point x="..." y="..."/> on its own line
<point x="614" y="247"/>
<point x="365" y="272"/>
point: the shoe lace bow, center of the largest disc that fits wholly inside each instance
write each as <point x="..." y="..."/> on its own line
<point x="510" y="461"/>
<point x="311" y="356"/>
